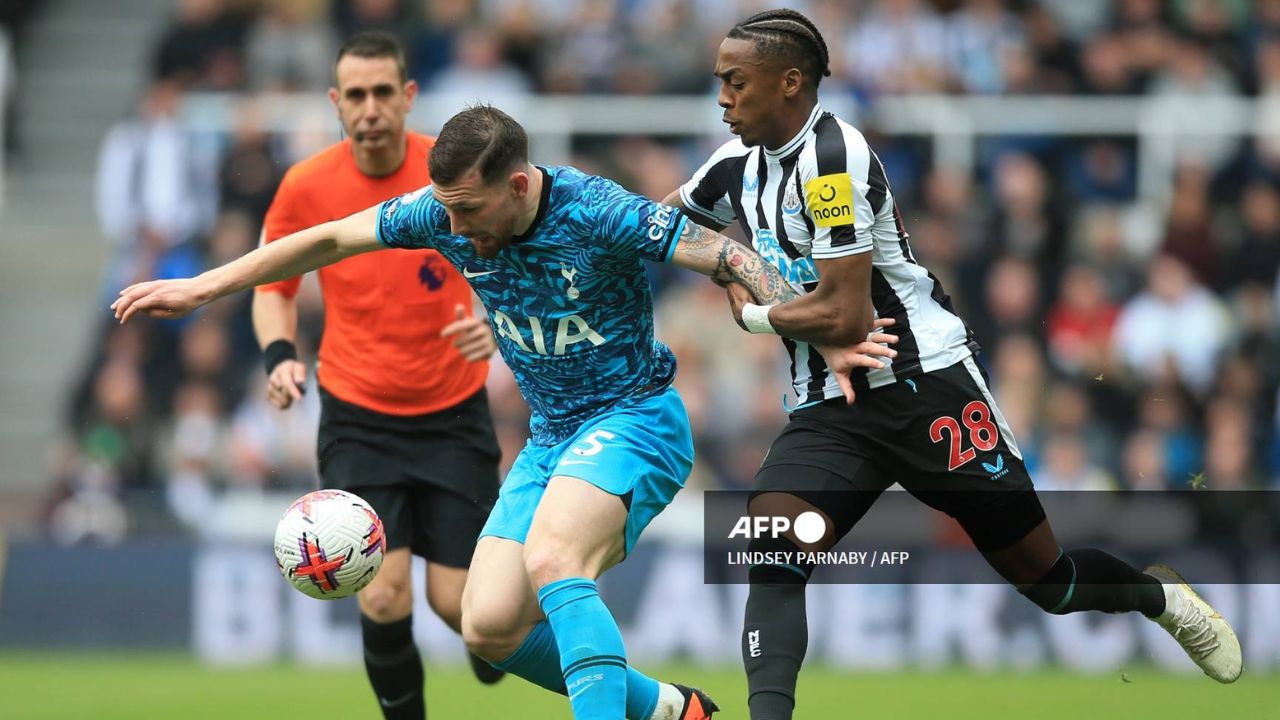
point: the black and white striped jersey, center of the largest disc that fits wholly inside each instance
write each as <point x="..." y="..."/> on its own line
<point x="824" y="195"/>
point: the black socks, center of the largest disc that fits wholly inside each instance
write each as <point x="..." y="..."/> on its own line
<point x="395" y="668"/>
<point x="1089" y="579"/>
<point x="775" y="636"/>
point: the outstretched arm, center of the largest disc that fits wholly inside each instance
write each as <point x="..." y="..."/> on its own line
<point x="289" y="256"/>
<point x="727" y="261"/>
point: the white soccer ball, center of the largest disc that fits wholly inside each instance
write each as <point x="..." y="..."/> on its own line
<point x="329" y="544"/>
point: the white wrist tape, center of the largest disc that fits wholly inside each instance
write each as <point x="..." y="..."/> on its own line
<point x="756" y="318"/>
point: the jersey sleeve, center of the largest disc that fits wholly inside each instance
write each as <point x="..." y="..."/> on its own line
<point x="284" y="217"/>
<point x="839" y="193"/>
<point x="707" y="192"/>
<point x="412" y="221"/>
<point x="633" y="225"/>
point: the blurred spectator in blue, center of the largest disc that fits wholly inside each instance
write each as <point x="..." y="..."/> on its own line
<point x="290" y="46"/>
<point x="587" y="50"/>
<point x="978" y="37"/>
<point x="1166" y="409"/>
<point x="1066" y="465"/>
<point x="436" y="46"/>
<point x="478" y="70"/>
<point x="897" y="46"/>
<point x="1103" y="169"/>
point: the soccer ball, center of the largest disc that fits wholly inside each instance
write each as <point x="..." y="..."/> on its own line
<point x="329" y="544"/>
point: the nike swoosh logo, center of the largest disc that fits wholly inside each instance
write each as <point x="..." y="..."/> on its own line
<point x="468" y="274"/>
<point x="576" y="462"/>
<point x="392" y="703"/>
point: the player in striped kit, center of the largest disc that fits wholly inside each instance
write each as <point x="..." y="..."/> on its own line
<point x="811" y="194"/>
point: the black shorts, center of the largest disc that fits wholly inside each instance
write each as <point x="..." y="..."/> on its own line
<point x="431" y="478"/>
<point x="939" y="435"/>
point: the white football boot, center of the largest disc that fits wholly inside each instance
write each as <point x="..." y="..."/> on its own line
<point x="1198" y="628"/>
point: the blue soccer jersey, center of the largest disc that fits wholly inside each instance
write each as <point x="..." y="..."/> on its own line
<point x="569" y="300"/>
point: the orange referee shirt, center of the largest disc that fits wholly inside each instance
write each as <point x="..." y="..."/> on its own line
<point x="384" y="310"/>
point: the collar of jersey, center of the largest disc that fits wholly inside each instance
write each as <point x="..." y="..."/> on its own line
<point x="798" y="140"/>
<point x="544" y="199"/>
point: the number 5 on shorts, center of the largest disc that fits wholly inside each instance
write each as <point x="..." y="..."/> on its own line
<point x="591" y="444"/>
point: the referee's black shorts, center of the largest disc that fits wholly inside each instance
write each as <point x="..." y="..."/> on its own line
<point x="938" y="434"/>
<point x="431" y="478"/>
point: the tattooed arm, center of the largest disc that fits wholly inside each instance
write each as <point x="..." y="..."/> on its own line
<point x="812" y="318"/>
<point x="727" y="261"/>
<point x="748" y="277"/>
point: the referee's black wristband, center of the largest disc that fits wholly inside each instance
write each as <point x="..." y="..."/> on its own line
<point x="277" y="352"/>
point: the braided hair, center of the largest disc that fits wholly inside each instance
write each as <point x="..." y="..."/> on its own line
<point x="789" y="37"/>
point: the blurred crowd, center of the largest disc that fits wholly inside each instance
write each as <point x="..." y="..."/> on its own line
<point x="1131" y="341"/>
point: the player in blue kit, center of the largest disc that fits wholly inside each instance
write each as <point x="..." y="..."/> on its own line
<point x="557" y="258"/>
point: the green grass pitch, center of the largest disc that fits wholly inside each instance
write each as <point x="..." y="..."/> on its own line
<point x="141" y="687"/>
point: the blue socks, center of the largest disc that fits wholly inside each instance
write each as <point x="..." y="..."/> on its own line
<point x="592" y="657"/>
<point x="538" y="661"/>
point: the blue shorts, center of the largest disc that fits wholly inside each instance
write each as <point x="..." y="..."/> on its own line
<point x="640" y="451"/>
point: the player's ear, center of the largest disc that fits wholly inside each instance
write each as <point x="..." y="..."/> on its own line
<point x="410" y="91"/>
<point x="333" y="96"/>
<point x="792" y="82"/>
<point x="519" y="183"/>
